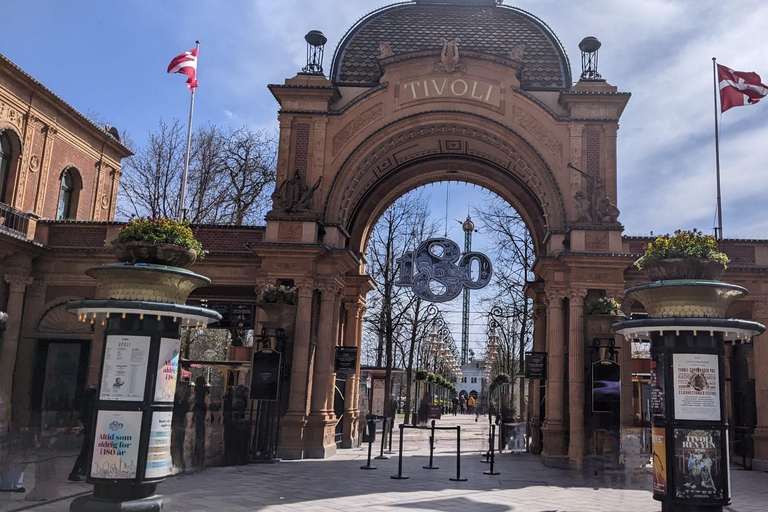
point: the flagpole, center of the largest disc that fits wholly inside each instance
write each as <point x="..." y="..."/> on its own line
<point x="717" y="156"/>
<point x="183" y="192"/>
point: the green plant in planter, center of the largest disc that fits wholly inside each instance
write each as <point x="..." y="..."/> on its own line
<point x="431" y="378"/>
<point x="278" y="294"/>
<point x="161" y="230"/>
<point x="602" y="306"/>
<point x="687" y="245"/>
<point x="421" y="374"/>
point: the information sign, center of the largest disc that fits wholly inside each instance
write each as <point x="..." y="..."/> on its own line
<point x="116" y="445"/>
<point x="697" y="387"/>
<point x="125" y="368"/>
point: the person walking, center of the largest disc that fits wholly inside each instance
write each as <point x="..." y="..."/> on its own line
<point x="87" y="411"/>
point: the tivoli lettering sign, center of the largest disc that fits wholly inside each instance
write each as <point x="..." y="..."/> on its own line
<point x="444" y="87"/>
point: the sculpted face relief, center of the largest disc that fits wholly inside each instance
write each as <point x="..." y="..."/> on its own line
<point x="466" y="88"/>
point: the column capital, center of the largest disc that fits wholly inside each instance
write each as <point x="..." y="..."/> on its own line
<point x="576" y="295"/>
<point x="554" y="296"/>
<point x="18" y="282"/>
<point x="305" y="286"/>
<point x="330" y="289"/>
<point x="356" y="307"/>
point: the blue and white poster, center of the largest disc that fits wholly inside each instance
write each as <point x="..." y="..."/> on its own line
<point x="167" y="370"/>
<point x="159" y="453"/>
<point x="116" y="447"/>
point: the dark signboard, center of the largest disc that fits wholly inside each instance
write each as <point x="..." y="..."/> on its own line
<point x="536" y="365"/>
<point x="265" y="376"/>
<point x="234" y="315"/>
<point x="658" y="388"/>
<point x="346" y="360"/>
<point x="433" y="413"/>
<point x="606" y="386"/>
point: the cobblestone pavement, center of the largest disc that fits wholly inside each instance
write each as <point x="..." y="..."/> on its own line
<point x="339" y="484"/>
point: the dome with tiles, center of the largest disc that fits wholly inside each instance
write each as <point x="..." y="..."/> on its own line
<point x="480" y="25"/>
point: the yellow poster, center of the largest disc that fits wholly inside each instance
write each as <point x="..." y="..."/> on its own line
<point x="659" y="462"/>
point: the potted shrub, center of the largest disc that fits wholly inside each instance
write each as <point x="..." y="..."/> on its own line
<point x="421" y="374"/>
<point x="159" y="241"/>
<point x="279" y="304"/>
<point x="684" y="255"/>
<point x="602" y="306"/>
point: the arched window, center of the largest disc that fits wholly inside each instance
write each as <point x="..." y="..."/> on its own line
<point x="5" y="166"/>
<point x="68" y="195"/>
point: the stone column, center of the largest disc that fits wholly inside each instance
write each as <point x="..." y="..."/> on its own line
<point x="10" y="345"/>
<point x="321" y="421"/>
<point x="627" y="406"/>
<point x="539" y="345"/>
<point x="576" y="377"/>
<point x="554" y="441"/>
<point x="292" y="428"/>
<point x="760" y="348"/>
<point x="355" y="312"/>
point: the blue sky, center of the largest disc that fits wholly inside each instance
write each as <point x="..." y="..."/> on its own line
<point x="109" y="58"/>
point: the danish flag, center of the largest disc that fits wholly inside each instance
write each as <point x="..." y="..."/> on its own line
<point x="186" y="64"/>
<point x="739" y="88"/>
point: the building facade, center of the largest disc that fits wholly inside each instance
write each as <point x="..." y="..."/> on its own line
<point x="418" y="92"/>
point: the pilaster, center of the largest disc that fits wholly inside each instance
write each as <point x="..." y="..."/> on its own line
<point x="576" y="376"/>
<point x="9" y="348"/>
<point x="554" y="431"/>
<point x="760" y="348"/>
<point x="352" y="338"/>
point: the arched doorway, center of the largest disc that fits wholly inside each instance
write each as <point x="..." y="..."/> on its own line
<point x="501" y="114"/>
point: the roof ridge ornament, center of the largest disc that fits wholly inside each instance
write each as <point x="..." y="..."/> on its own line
<point x="449" y="58"/>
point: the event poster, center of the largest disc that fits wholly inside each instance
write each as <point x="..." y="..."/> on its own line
<point x="159" y="454"/>
<point x="125" y="368"/>
<point x="697" y="387"/>
<point x="167" y="370"/>
<point x="659" y="443"/>
<point x="700" y="467"/>
<point x="658" y="389"/>
<point x="116" y="446"/>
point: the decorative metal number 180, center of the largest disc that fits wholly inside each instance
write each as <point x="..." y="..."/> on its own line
<point x="433" y="274"/>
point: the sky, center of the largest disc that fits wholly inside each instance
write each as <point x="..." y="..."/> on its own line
<point x="108" y="59"/>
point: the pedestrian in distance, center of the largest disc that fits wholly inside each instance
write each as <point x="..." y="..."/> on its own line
<point x="87" y="412"/>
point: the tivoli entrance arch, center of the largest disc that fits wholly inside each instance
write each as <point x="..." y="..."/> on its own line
<point x="431" y="91"/>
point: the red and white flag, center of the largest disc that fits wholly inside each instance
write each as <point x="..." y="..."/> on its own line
<point x="739" y="88"/>
<point x="186" y="64"/>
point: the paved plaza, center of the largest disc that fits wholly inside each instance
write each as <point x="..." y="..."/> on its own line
<point x="339" y="484"/>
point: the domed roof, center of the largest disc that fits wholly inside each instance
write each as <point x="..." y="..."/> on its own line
<point x="481" y="26"/>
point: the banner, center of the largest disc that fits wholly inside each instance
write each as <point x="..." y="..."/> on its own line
<point x="700" y="468"/>
<point x="659" y="461"/>
<point x="697" y="387"/>
<point x="125" y="368"/>
<point x="167" y="370"/>
<point x="116" y="446"/>
<point x="159" y="454"/>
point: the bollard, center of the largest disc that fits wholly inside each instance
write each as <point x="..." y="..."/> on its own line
<point x="487" y="454"/>
<point x="458" y="457"/>
<point x="493" y="455"/>
<point x="383" y="440"/>
<point x="371" y="436"/>
<point x="501" y="435"/>
<point x="391" y="428"/>
<point x="399" y="475"/>
<point x="431" y="447"/>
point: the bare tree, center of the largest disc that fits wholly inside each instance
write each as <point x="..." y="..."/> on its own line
<point x="231" y="174"/>
<point x="513" y="256"/>
<point x="390" y="309"/>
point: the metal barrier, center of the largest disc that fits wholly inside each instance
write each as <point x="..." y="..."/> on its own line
<point x="493" y="455"/>
<point x="400" y="476"/>
<point x="431" y="447"/>
<point x="371" y="436"/>
<point x="381" y="455"/>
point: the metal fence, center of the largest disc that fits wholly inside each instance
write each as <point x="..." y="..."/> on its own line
<point x="13" y="219"/>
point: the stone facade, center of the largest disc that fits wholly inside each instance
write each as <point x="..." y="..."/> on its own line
<point x="346" y="152"/>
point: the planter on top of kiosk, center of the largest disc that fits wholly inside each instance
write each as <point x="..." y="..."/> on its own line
<point x="687" y="328"/>
<point x="130" y="451"/>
